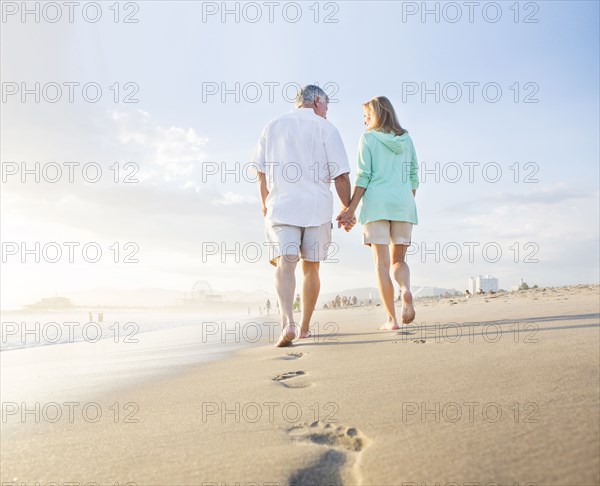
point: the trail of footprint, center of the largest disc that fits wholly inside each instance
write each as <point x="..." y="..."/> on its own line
<point x="339" y="464"/>
<point x="288" y="376"/>
<point x="292" y="356"/>
<point x="293" y="379"/>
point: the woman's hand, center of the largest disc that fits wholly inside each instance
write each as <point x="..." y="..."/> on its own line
<point x="346" y="218"/>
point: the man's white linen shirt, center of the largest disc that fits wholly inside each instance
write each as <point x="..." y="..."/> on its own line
<point x="300" y="153"/>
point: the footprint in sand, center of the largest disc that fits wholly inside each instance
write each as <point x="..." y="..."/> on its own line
<point x="419" y="341"/>
<point x="293" y="379"/>
<point x="291" y="356"/>
<point x="339" y="463"/>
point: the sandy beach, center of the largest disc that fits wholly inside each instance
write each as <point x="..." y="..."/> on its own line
<point x="493" y="389"/>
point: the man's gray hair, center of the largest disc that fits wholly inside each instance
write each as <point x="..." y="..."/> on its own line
<point x="308" y="93"/>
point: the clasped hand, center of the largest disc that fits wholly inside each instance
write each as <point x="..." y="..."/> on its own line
<point x="346" y="219"/>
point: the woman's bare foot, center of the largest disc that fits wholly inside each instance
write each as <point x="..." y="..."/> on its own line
<point x="408" y="310"/>
<point x="287" y="336"/>
<point x="389" y="325"/>
<point x="304" y="334"/>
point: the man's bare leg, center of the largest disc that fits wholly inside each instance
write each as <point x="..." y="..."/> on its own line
<point x="285" y="285"/>
<point x="310" y="293"/>
<point x="402" y="276"/>
<point x="381" y="255"/>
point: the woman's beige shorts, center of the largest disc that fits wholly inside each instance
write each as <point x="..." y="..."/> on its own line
<point x="384" y="232"/>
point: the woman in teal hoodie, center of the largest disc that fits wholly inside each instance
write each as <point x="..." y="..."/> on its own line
<point x="387" y="182"/>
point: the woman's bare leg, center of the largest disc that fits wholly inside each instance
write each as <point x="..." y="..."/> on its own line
<point x="402" y="276"/>
<point x="381" y="255"/>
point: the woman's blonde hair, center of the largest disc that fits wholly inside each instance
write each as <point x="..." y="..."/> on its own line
<point x="383" y="116"/>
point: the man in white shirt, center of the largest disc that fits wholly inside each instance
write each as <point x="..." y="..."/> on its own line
<point x="297" y="157"/>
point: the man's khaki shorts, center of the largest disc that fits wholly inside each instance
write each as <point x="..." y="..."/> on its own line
<point x="384" y="232"/>
<point x="311" y="243"/>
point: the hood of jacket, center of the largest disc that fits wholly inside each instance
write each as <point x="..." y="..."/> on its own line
<point x="396" y="143"/>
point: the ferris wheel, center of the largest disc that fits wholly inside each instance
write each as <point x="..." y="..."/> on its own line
<point x="201" y="288"/>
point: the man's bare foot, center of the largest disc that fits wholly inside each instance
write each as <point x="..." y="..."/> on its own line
<point x="287" y="336"/>
<point x="389" y="326"/>
<point x="304" y="334"/>
<point x="408" y="310"/>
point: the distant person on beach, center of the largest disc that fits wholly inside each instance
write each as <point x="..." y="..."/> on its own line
<point x="298" y="156"/>
<point x="268" y="306"/>
<point x="387" y="181"/>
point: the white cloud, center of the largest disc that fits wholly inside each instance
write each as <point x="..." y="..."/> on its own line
<point x="167" y="152"/>
<point x="230" y="198"/>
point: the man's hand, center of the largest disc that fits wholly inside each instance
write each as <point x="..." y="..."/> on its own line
<point x="346" y="218"/>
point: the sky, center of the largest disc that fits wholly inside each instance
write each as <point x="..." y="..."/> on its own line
<point x="501" y="101"/>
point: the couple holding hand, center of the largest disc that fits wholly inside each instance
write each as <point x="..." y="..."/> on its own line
<point x="297" y="157"/>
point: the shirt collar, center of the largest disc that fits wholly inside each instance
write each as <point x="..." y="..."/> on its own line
<point x="306" y="112"/>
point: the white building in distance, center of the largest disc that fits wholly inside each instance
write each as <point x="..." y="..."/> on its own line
<point x="485" y="284"/>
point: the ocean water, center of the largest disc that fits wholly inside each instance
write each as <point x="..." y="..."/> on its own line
<point x="66" y="357"/>
<point x="30" y="329"/>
